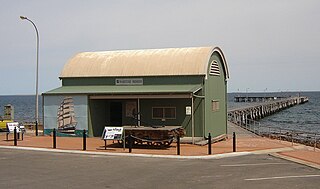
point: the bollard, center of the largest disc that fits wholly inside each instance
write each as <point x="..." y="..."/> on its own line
<point x="130" y="141"/>
<point x="54" y="138"/>
<point x="209" y="144"/>
<point x="178" y="145"/>
<point x="234" y="142"/>
<point x="15" y="136"/>
<point x="37" y="128"/>
<point x="84" y="140"/>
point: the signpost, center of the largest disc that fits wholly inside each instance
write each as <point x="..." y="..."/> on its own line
<point x="111" y="133"/>
<point x="14" y="127"/>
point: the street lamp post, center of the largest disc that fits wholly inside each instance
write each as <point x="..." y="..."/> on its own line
<point x="37" y="73"/>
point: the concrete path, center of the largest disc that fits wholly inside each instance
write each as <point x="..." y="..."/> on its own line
<point x="247" y="143"/>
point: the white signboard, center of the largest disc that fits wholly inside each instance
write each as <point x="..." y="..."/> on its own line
<point x="188" y="110"/>
<point x="112" y="133"/>
<point x="12" y="125"/>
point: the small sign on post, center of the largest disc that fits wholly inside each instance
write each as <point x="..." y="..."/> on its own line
<point x="12" y="125"/>
<point x="111" y="133"/>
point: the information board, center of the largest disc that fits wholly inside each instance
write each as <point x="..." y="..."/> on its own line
<point x="112" y="133"/>
<point x="12" y="125"/>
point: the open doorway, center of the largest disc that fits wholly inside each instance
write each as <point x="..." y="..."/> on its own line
<point x="116" y="113"/>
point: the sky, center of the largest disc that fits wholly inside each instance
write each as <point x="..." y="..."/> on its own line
<point x="270" y="45"/>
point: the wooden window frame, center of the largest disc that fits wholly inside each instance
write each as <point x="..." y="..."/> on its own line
<point x="164" y="113"/>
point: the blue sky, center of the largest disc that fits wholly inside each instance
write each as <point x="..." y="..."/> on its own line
<point x="272" y="44"/>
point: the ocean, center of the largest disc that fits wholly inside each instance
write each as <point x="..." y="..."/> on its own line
<point x="304" y="117"/>
<point x="24" y="107"/>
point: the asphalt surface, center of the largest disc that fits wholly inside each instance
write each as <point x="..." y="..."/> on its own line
<point x="32" y="169"/>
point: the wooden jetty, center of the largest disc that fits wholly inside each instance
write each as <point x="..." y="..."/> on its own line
<point x="256" y="98"/>
<point x="240" y="116"/>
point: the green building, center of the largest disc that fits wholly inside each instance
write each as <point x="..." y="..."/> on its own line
<point x="176" y="86"/>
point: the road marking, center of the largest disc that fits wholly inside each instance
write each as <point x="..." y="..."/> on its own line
<point x="254" y="164"/>
<point x="283" y="177"/>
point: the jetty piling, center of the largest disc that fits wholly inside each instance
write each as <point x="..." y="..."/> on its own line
<point x="247" y="118"/>
<point x="241" y="116"/>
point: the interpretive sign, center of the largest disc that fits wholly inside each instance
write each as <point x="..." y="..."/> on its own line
<point x="112" y="133"/>
<point x="12" y="125"/>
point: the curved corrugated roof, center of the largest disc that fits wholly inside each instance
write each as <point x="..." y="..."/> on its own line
<point x="150" y="62"/>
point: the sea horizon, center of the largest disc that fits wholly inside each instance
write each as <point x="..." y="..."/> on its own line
<point x="304" y="117"/>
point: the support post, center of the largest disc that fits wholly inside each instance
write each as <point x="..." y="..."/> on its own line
<point x="84" y="147"/>
<point x="292" y="137"/>
<point x="209" y="144"/>
<point x="15" y="136"/>
<point x="139" y="116"/>
<point x="280" y="134"/>
<point x="105" y="144"/>
<point x="269" y="133"/>
<point x="124" y="139"/>
<point x="192" y="121"/>
<point x="54" y="138"/>
<point x="315" y="142"/>
<point x="234" y="142"/>
<point x="130" y="140"/>
<point x="37" y="125"/>
<point x="178" y="145"/>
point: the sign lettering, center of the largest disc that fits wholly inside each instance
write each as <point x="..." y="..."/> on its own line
<point x="129" y="81"/>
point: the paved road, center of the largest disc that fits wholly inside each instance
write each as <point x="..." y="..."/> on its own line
<point x="31" y="169"/>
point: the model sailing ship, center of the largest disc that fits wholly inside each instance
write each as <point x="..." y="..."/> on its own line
<point x="66" y="116"/>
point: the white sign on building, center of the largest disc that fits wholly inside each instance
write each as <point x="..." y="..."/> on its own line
<point x="129" y="81"/>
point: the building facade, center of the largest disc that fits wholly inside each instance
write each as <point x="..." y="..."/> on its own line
<point x="176" y="86"/>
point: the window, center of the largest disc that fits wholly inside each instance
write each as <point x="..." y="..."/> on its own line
<point x="214" y="68"/>
<point x="215" y="105"/>
<point x="163" y="113"/>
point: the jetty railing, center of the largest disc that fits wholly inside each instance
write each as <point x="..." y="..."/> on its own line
<point x="291" y="135"/>
<point x="261" y="110"/>
<point x="246" y="117"/>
